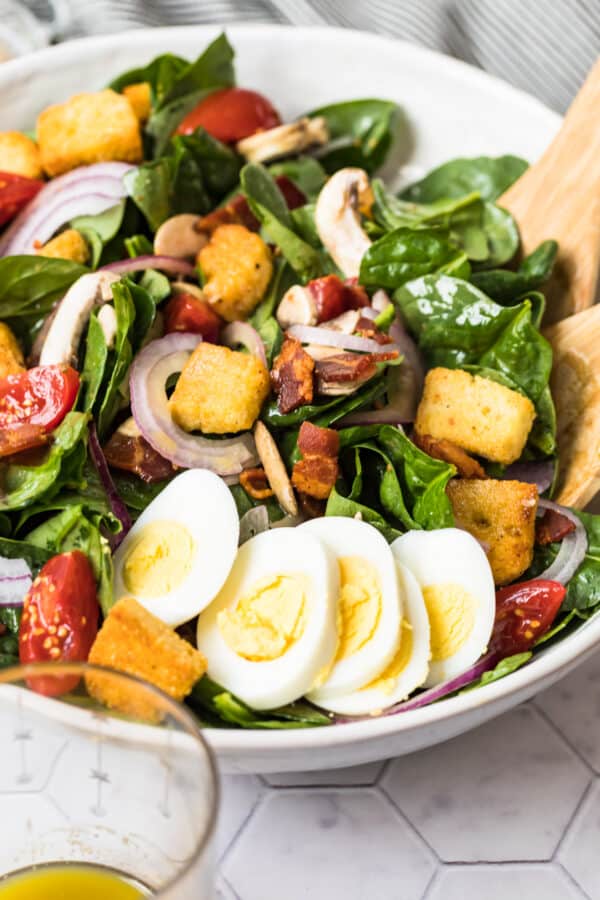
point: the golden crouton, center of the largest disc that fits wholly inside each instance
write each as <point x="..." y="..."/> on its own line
<point x="475" y="413"/>
<point x="88" y="128"/>
<point x="219" y="391"/>
<point x="19" y="155"/>
<point x="132" y="640"/>
<point x="237" y="266"/>
<point x="140" y="98"/>
<point x="11" y="357"/>
<point x="70" y="244"/>
<point x="500" y="514"/>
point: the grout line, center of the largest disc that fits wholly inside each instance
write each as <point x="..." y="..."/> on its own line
<point x="431" y="883"/>
<point x="582" y="800"/>
<point x="572" y="747"/>
<point x="230" y="886"/>
<point x="382" y="793"/>
<point x="226" y="850"/>
<point x="573" y="881"/>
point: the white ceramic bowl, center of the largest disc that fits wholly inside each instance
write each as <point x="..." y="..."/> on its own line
<point x="451" y="110"/>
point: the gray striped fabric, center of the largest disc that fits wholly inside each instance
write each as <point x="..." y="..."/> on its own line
<point x="542" y="46"/>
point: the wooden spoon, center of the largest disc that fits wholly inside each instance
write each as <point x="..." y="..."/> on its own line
<point x="575" y="386"/>
<point x="559" y="197"/>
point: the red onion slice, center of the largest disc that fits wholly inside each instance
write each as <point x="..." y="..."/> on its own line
<point x="538" y="472"/>
<point x="253" y="522"/>
<point x="138" y="263"/>
<point x="573" y="546"/>
<point x="327" y="337"/>
<point x="150" y="407"/>
<point x="15" y="581"/>
<point x="84" y="191"/>
<point x="242" y="333"/>
<point x="412" y="355"/>
<point x="400" y="408"/>
<point x="116" y="504"/>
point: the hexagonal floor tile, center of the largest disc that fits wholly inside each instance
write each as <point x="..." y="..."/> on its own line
<point x="357" y="775"/>
<point x="315" y="844"/>
<point x="224" y="891"/>
<point x="502" y="792"/>
<point x="499" y="882"/>
<point x="579" y="852"/>
<point x="239" y="796"/>
<point x="574" y="706"/>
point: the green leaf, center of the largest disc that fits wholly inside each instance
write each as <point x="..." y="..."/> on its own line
<point x="339" y="505"/>
<point x="138" y="245"/>
<point x="361" y="133"/>
<point x="94" y="364"/>
<point x="306" y="173"/>
<point x="489" y="176"/>
<point x="583" y="592"/>
<point x="504" y="667"/>
<point x="259" y="185"/>
<point x="326" y="412"/>
<point x="272" y="337"/>
<point x="506" y="287"/>
<point x="404" y="254"/>
<point x="283" y="278"/>
<point x="135" y="493"/>
<point x="35" y="557"/>
<point x="120" y="358"/>
<point x="392" y="212"/>
<point x="98" y="230"/>
<point x="149" y="187"/>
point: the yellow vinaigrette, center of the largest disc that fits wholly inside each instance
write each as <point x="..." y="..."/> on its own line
<point x="68" y="882"/>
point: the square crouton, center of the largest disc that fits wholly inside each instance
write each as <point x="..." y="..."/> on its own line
<point x="219" y="391"/>
<point x="88" y="128"/>
<point x="133" y="640"/>
<point x="237" y="268"/>
<point x="19" y="155"/>
<point x="500" y="514"/>
<point x="69" y="244"/>
<point x="140" y="97"/>
<point x="11" y="356"/>
<point x="479" y="415"/>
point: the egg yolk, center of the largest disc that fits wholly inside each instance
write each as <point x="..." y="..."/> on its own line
<point x="387" y="680"/>
<point x="451" y="610"/>
<point x="359" y="604"/>
<point x="265" y="623"/>
<point x="160" y="559"/>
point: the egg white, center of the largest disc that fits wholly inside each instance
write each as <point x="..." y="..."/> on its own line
<point x="265" y="684"/>
<point x="372" y="699"/>
<point x="452" y="556"/>
<point x="201" y="502"/>
<point x="350" y="537"/>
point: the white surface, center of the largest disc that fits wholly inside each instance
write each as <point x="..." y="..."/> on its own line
<point x="510" y="811"/>
<point x="451" y="109"/>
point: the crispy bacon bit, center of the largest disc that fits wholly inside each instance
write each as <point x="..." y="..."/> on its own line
<point x="238" y="212"/>
<point x="368" y="329"/>
<point x="292" y="376"/>
<point x="448" y="452"/>
<point x="316" y="473"/>
<point x="133" y="453"/>
<point x="2" y="629"/>
<point x="256" y="483"/>
<point x="333" y="296"/>
<point x="310" y="507"/>
<point x="346" y="367"/>
<point x="24" y="436"/>
<point x="552" y="526"/>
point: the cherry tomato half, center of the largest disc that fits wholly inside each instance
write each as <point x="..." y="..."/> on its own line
<point x="184" y="312"/>
<point x="60" y="619"/>
<point x="524" y="612"/>
<point x="15" y="192"/>
<point x="231" y="114"/>
<point x="33" y="403"/>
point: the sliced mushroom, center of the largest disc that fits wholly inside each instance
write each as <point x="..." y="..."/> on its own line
<point x="72" y="314"/>
<point x="297" y="307"/>
<point x="107" y="320"/>
<point x="275" y="469"/>
<point x="129" y="428"/>
<point x="179" y="237"/>
<point x="338" y="221"/>
<point x="346" y="322"/>
<point x="284" y="140"/>
<point x="184" y="287"/>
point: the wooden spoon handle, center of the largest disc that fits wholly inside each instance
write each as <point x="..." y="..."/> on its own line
<point x="559" y="197"/>
<point x="575" y="385"/>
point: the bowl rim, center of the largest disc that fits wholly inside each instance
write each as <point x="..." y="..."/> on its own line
<point x="554" y="660"/>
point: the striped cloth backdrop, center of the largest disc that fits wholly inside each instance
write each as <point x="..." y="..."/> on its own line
<point x="542" y="46"/>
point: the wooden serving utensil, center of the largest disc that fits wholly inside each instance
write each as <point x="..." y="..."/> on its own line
<point x="559" y="197"/>
<point x="575" y="386"/>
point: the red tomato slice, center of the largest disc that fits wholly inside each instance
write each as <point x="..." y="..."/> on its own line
<point x="60" y="619"/>
<point x="184" y="312"/>
<point x="524" y="612"/>
<point x="231" y="114"/>
<point x="34" y="402"/>
<point x="15" y="192"/>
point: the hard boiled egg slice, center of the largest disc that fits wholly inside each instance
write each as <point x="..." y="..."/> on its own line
<point x="458" y="588"/>
<point x="272" y="630"/>
<point x="369" y="605"/>
<point x="409" y="666"/>
<point x="178" y="554"/>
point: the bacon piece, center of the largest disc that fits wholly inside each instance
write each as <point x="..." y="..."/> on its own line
<point x="333" y="296"/>
<point x="552" y="527"/>
<point x="292" y="376"/>
<point x="448" y="452"/>
<point x="346" y="367"/>
<point x="316" y="473"/>
<point x="237" y="211"/>
<point x="368" y="329"/>
<point x="310" y="507"/>
<point x="133" y="453"/>
<point x="256" y="483"/>
<point x="24" y="436"/>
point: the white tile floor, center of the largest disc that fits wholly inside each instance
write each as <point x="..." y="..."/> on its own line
<point x="511" y="810"/>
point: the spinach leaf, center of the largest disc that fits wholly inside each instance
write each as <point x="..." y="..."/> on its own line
<point x="30" y="286"/>
<point x="94" y="364"/>
<point x="340" y="505"/>
<point x="120" y="358"/>
<point x="135" y="493"/>
<point x="504" y="667"/>
<point x="326" y="412"/>
<point x="283" y="279"/>
<point x="209" y="700"/>
<point x="160" y="74"/>
<point x="506" y="286"/>
<point x="272" y="337"/>
<point x="98" y="230"/>
<point x="138" y="245"/>
<point x="361" y="133"/>
<point x="158" y="288"/>
<point x="583" y="592"/>
<point x="489" y="176"/>
<point x="268" y="205"/>
<point x="35" y="557"/>
<point x="149" y="186"/>
<point x="404" y="254"/>
<point x="10" y="618"/>
<point x="393" y="212"/>
<point x="306" y="173"/>
<point x="63" y="464"/>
